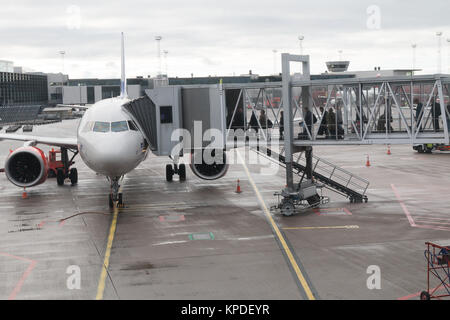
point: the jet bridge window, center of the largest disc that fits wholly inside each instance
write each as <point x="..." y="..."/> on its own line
<point x="119" y="126"/>
<point x="166" y="114"/>
<point x="101" y="126"/>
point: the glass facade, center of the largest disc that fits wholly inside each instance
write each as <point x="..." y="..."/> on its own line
<point x="23" y="89"/>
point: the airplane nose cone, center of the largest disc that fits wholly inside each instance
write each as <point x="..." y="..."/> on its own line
<point x="116" y="160"/>
<point x="112" y="157"/>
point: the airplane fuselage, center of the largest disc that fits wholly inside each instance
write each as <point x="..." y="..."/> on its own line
<point x="108" y="140"/>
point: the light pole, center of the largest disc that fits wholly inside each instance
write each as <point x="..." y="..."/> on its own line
<point x="448" y="41"/>
<point x="301" y="38"/>
<point x="414" y="47"/>
<point x="62" y="53"/>
<point x="274" y="61"/>
<point x="166" y="52"/>
<point x="439" y="56"/>
<point x="79" y="87"/>
<point x="158" y="49"/>
<point x="340" y="55"/>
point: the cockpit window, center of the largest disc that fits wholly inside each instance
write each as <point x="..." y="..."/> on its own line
<point x="132" y="125"/>
<point x="101" y="126"/>
<point x="88" y="127"/>
<point x="119" y="126"/>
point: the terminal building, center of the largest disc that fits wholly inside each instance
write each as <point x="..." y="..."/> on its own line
<point x="22" y="95"/>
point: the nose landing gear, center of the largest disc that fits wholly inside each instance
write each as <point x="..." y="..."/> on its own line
<point x="115" y="196"/>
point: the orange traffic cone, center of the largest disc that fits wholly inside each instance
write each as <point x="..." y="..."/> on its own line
<point x="368" y="161"/>
<point x="389" y="150"/>
<point x="238" y="188"/>
<point x="24" y="194"/>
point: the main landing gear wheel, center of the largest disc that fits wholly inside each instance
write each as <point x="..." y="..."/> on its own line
<point x="287" y="208"/>
<point x="120" y="200"/>
<point x="182" y="172"/>
<point x="60" y="177"/>
<point x="110" y="200"/>
<point x="73" y="176"/>
<point x="169" y="173"/>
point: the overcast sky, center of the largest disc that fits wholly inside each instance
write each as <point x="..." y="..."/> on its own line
<point x="220" y="38"/>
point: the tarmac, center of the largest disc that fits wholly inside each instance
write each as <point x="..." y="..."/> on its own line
<point x="201" y="240"/>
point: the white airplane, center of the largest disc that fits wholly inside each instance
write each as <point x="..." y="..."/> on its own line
<point x="108" y="141"/>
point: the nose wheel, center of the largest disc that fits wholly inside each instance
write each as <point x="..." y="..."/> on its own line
<point x="112" y="199"/>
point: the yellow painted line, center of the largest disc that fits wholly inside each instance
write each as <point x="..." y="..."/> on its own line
<point x="280" y="237"/>
<point x="104" y="273"/>
<point x="322" y="228"/>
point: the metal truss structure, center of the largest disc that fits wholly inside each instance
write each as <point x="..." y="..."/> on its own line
<point x="394" y="110"/>
<point x="345" y="111"/>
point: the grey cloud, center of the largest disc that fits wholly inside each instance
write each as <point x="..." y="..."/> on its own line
<point x="206" y="34"/>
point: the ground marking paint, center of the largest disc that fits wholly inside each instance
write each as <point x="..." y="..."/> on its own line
<point x="22" y="279"/>
<point x="112" y="231"/>
<point x="422" y="219"/>
<point x="402" y="204"/>
<point x="280" y="237"/>
<point x="321" y="228"/>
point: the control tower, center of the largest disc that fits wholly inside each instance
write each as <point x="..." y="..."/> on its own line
<point x="337" y="66"/>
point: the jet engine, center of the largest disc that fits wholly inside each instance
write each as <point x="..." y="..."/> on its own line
<point x="26" y="167"/>
<point x="204" y="167"/>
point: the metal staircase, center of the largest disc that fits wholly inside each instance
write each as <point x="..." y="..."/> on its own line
<point x="333" y="177"/>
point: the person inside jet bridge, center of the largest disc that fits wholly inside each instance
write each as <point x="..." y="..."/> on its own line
<point x="310" y="119"/>
<point x="238" y="121"/>
<point x="331" y="122"/>
<point x="324" y="130"/>
<point x="281" y="125"/>
<point x="435" y="112"/>
<point x="419" y="108"/>
<point x="253" y="124"/>
<point x="263" y="119"/>
<point x="447" y="115"/>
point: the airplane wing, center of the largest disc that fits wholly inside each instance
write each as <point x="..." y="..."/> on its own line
<point x="51" y="141"/>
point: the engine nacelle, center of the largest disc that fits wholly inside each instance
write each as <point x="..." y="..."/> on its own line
<point x="206" y="171"/>
<point x="26" y="167"/>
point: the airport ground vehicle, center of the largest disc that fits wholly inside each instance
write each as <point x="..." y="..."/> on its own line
<point x="428" y="148"/>
<point x="61" y="168"/>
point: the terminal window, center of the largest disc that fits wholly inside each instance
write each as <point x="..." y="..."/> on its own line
<point x="166" y="114"/>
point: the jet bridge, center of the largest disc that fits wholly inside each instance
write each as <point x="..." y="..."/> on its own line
<point x="361" y="111"/>
<point x="173" y="114"/>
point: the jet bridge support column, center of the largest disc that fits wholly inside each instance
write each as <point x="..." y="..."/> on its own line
<point x="288" y="114"/>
